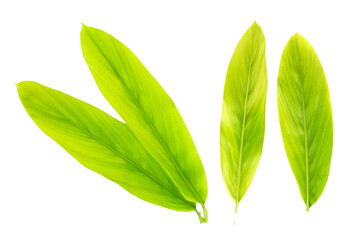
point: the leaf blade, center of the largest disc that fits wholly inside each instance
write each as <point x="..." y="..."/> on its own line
<point x="100" y="143"/>
<point x="305" y="117"/>
<point x="146" y="108"/>
<point x="243" y="114"/>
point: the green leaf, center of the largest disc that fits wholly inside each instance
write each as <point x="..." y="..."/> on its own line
<point x="243" y="113"/>
<point x="305" y="117"/>
<point x="102" y="144"/>
<point x="147" y="110"/>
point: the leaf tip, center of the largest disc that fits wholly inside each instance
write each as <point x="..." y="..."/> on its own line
<point x="85" y="30"/>
<point x="255" y="27"/>
<point x="20" y="89"/>
<point x="24" y="87"/>
<point x="255" y="24"/>
<point x="84" y="26"/>
<point x="296" y="36"/>
<point x="19" y="85"/>
<point x="84" y="33"/>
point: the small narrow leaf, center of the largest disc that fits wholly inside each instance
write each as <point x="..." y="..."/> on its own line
<point x="305" y="117"/>
<point x="102" y="144"/>
<point x="147" y="110"/>
<point x="243" y="113"/>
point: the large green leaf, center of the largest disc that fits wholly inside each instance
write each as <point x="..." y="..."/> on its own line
<point x="305" y="117"/>
<point x="147" y="110"/>
<point x="243" y="113"/>
<point x="102" y="144"/>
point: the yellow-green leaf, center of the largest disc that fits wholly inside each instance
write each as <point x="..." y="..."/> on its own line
<point x="102" y="144"/>
<point x="243" y="113"/>
<point x="146" y="108"/>
<point x="305" y="117"/>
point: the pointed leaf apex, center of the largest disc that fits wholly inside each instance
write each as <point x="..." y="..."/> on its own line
<point x="84" y="27"/>
<point x="255" y="24"/>
<point x="21" y="84"/>
<point x="297" y="35"/>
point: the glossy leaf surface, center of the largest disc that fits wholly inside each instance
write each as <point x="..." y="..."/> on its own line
<point x="147" y="110"/>
<point x="102" y="144"/>
<point x="305" y="117"/>
<point x="243" y="113"/>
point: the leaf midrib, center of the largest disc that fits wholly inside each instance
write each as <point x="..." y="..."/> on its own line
<point x="243" y="127"/>
<point x="84" y="129"/>
<point x="151" y="125"/>
<point x="305" y="127"/>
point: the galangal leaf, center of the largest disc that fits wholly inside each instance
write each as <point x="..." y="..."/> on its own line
<point x="243" y="113"/>
<point x="305" y="117"/>
<point x="101" y="143"/>
<point x="147" y="110"/>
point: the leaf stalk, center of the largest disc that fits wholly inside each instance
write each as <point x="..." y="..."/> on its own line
<point x="201" y="218"/>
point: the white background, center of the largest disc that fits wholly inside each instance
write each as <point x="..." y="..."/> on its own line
<point x="46" y="194"/>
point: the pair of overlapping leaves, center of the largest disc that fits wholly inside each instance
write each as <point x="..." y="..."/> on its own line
<point x="304" y="112"/>
<point x="151" y="156"/>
